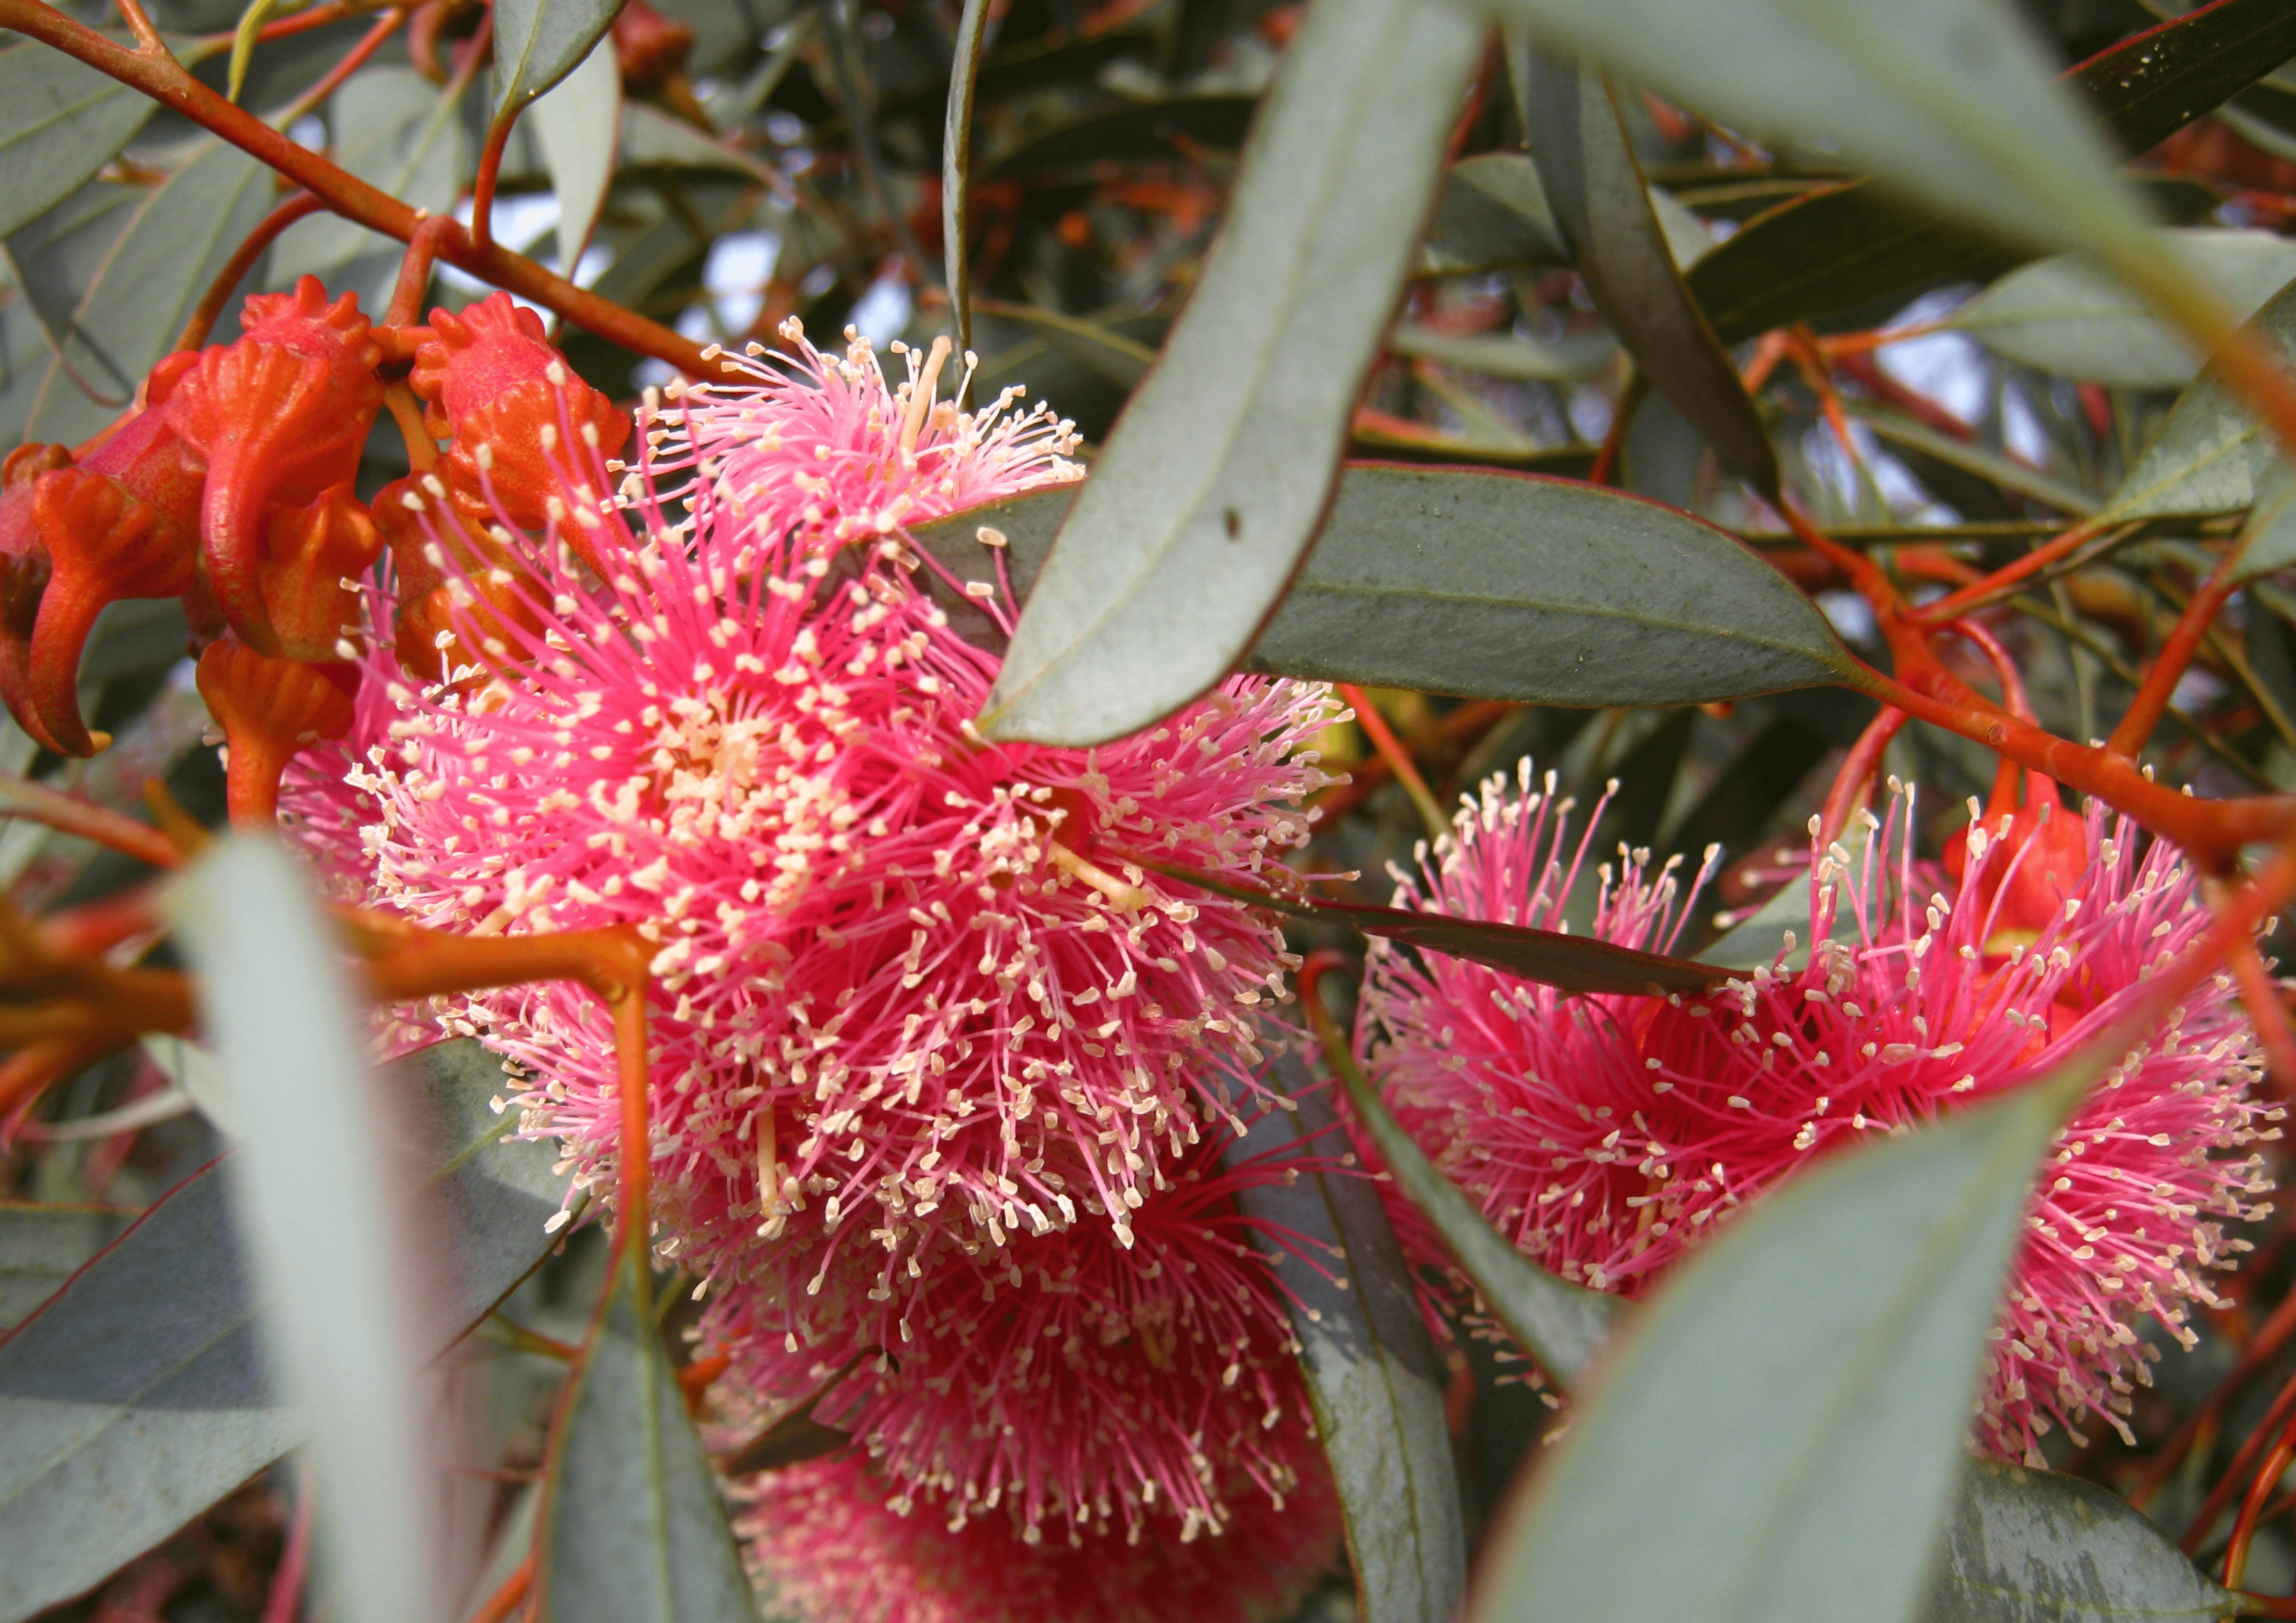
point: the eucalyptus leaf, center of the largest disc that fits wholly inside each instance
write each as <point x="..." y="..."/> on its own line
<point x="1373" y="1381"/>
<point x="114" y="289"/>
<point x="1183" y="538"/>
<point x="539" y="42"/>
<point x="42" y="1246"/>
<point x="1491" y="214"/>
<point x="400" y="133"/>
<point x="2033" y="1546"/>
<point x="1563" y="360"/>
<point x="1832" y="249"/>
<point x="1487" y="585"/>
<point x="2198" y="460"/>
<point x="2062" y="315"/>
<point x="136" y="1396"/>
<point x="956" y="169"/>
<point x="60" y="122"/>
<point x="633" y="1528"/>
<point x="652" y="139"/>
<point x="578" y="126"/>
<point x="1850" y="1308"/>
<point x="1604" y="206"/>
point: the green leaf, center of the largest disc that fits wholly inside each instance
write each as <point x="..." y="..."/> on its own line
<point x="135" y="1397"/>
<point x="538" y="43"/>
<point x="956" y="169"/>
<point x="1550" y="360"/>
<point x="578" y="126"/>
<point x="1491" y="215"/>
<point x="42" y="1246"/>
<point x="1093" y="344"/>
<point x="1374" y="1380"/>
<point x="2064" y="315"/>
<point x="1833" y="250"/>
<point x="2267" y="542"/>
<point x="1192" y="522"/>
<point x="1131" y="134"/>
<point x="1603" y="207"/>
<point x="2198" y="460"/>
<point x="1486" y="585"/>
<point x="1849" y="1308"/>
<point x="633" y="1528"/>
<point x="652" y="139"/>
<point x="2033" y="1546"/>
<point x="1561" y="1324"/>
<point x="60" y="122"/>
<point x="114" y="284"/>
<point x="1951" y="100"/>
<point x="400" y="134"/>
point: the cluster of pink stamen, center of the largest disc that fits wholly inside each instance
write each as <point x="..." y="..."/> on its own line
<point x="1607" y="1135"/>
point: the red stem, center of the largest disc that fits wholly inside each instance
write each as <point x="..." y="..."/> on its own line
<point x="2229" y="1483"/>
<point x="2260" y="1491"/>
<point x="1398" y="758"/>
<point x="2144" y="711"/>
<point x="285" y="1600"/>
<point x="482" y="191"/>
<point x="1956" y="604"/>
<point x="1853" y="782"/>
<point x="302" y="206"/>
<point x="166" y="81"/>
<point x="19" y="797"/>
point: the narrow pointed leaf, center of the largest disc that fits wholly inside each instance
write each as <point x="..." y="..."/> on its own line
<point x="42" y="1246"/>
<point x="1193" y="521"/>
<point x="1373" y="1381"/>
<point x="2033" y="1546"/>
<point x="60" y="122"/>
<point x="1832" y="249"/>
<point x="1952" y="101"/>
<point x="1491" y="214"/>
<point x="1602" y="205"/>
<point x="2199" y="459"/>
<point x="538" y="43"/>
<point x="578" y="127"/>
<point x="136" y="1396"/>
<point x="1851" y="1309"/>
<point x="633" y="1529"/>
<point x="956" y="169"/>
<point x="1486" y="585"/>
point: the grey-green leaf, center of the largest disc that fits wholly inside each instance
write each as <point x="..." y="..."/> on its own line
<point x="1489" y="584"/>
<point x="2197" y="460"/>
<point x="1491" y="214"/>
<point x="2064" y="315"/>
<point x="397" y="131"/>
<point x="1849" y="1308"/>
<point x="1952" y="100"/>
<point x="633" y="1529"/>
<point x="60" y="122"/>
<point x="1211" y="486"/>
<point x="2033" y="1546"/>
<point x="578" y="126"/>
<point x="1373" y="1381"/>
<point x="114" y="289"/>
<point x="539" y="42"/>
<point x="136" y="1396"/>
<point x="42" y="1246"/>
<point x="1603" y="207"/>
<point x="652" y="139"/>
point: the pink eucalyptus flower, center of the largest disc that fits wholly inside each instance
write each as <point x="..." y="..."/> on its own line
<point x="826" y="1542"/>
<point x="1068" y="1378"/>
<point x="1607" y="1135"/>
<point x="907" y="979"/>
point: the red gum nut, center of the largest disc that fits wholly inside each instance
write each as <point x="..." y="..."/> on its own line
<point x="648" y="46"/>
<point x="268" y="709"/>
<point x="309" y="553"/>
<point x="280" y="416"/>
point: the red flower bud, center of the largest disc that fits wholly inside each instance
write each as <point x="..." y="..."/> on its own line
<point x="430" y="597"/>
<point x="509" y="401"/>
<point x="308" y="554"/>
<point x="270" y="710"/>
<point x="648" y="46"/>
<point x="279" y="416"/>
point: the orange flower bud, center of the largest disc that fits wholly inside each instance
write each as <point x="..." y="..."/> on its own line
<point x="648" y="46"/>
<point x="490" y="382"/>
<point x="270" y="710"/>
<point x="280" y="417"/>
<point x="308" y="554"/>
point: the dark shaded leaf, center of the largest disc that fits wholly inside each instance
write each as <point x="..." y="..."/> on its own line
<point x="1130" y="133"/>
<point x="42" y="1246"/>
<point x="1561" y="1324"/>
<point x="1835" y="250"/>
<point x="60" y="122"/>
<point x="1602" y="205"/>
<point x="1183" y="539"/>
<point x="115" y="277"/>
<point x="1849" y="1308"/>
<point x="539" y="42"/>
<point x="956" y="169"/>
<point x="1373" y="1378"/>
<point x="2033" y="1546"/>
<point x="1491" y="214"/>
<point x="136" y="1396"/>
<point x="1486" y="585"/>
<point x="633" y="1528"/>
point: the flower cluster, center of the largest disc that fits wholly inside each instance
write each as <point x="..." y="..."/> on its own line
<point x="941" y="1072"/>
<point x="1606" y="1137"/>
